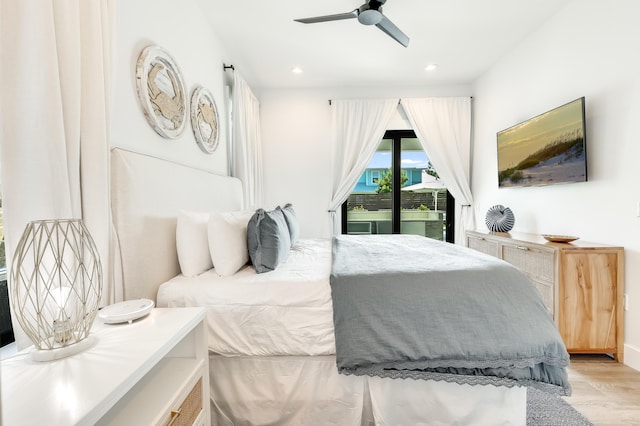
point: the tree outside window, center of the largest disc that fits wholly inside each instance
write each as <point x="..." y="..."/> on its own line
<point x="385" y="184"/>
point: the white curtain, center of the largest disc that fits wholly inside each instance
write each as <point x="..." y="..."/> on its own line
<point x="358" y="127"/>
<point x="443" y="126"/>
<point x="246" y="147"/>
<point x="55" y="85"/>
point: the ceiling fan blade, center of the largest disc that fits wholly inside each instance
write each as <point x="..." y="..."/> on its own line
<point x="394" y="32"/>
<point x="326" y="18"/>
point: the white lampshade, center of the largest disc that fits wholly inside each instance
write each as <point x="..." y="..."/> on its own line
<point x="56" y="286"/>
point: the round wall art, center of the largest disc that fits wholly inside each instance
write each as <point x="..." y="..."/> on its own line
<point x="500" y="219"/>
<point x="161" y="92"/>
<point x="204" y="119"/>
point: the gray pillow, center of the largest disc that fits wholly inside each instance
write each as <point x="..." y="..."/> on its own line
<point x="292" y="222"/>
<point x="268" y="239"/>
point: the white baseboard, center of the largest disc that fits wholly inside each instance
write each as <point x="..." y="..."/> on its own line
<point x="632" y="357"/>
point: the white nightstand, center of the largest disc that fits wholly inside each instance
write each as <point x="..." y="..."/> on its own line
<point x="135" y="374"/>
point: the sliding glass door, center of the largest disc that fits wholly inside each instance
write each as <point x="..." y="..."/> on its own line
<point x="399" y="193"/>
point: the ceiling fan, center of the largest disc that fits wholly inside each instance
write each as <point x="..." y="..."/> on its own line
<point x="369" y="13"/>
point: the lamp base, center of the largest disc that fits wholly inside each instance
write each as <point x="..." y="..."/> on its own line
<point x="44" y="355"/>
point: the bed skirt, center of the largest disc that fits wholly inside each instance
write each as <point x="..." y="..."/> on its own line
<point x="306" y="390"/>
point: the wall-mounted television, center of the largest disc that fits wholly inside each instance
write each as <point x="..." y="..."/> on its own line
<point x="547" y="149"/>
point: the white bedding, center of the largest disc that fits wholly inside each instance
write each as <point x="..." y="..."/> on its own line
<point x="284" y="312"/>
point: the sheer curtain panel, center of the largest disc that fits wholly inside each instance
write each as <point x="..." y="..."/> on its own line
<point x="443" y="126"/>
<point x="247" y="142"/>
<point x="55" y="84"/>
<point x="358" y="128"/>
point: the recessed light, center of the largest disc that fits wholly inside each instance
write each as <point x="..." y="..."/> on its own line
<point x="431" y="67"/>
<point x="296" y="70"/>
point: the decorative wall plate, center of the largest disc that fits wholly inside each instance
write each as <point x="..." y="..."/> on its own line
<point x="161" y="92"/>
<point x="204" y="119"/>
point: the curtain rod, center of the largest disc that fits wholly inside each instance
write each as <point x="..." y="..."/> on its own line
<point x="330" y="102"/>
<point x="226" y="67"/>
<point x="400" y="101"/>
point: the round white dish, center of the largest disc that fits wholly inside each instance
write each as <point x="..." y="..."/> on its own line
<point x="126" y="311"/>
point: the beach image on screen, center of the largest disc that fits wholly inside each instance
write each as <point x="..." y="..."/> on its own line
<point x="546" y="149"/>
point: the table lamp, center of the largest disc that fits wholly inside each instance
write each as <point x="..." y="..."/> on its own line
<point x="56" y="286"/>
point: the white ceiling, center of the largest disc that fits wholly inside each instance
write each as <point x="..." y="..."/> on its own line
<point x="464" y="37"/>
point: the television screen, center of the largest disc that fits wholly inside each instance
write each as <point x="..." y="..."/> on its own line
<point x="547" y="149"/>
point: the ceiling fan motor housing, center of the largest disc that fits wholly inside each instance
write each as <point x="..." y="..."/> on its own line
<point x="370" y="13"/>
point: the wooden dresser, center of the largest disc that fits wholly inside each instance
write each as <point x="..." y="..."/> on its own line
<point x="581" y="283"/>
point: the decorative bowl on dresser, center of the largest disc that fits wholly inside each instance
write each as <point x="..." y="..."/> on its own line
<point x="581" y="283"/>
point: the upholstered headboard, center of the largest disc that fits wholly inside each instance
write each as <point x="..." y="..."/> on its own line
<point x="146" y="195"/>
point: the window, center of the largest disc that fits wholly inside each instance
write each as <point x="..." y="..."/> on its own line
<point x="407" y="196"/>
<point x="6" y="330"/>
<point x="375" y="176"/>
<point x="3" y="260"/>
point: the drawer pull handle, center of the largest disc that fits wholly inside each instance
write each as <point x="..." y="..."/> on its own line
<point x="522" y="248"/>
<point x="174" y="416"/>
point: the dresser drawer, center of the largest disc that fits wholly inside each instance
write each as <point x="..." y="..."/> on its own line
<point x="535" y="262"/>
<point x="483" y="245"/>
<point x="546" y="291"/>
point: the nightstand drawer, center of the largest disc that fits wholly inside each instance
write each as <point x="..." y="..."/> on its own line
<point x="190" y="408"/>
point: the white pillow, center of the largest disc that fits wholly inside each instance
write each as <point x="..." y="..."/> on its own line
<point x="228" y="240"/>
<point x="192" y="243"/>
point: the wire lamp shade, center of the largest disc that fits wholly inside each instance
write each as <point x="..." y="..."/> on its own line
<point x="56" y="286"/>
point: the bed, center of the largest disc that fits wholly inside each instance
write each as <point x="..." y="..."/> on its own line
<point x="272" y="336"/>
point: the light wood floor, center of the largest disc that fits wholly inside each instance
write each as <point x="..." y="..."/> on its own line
<point x="604" y="391"/>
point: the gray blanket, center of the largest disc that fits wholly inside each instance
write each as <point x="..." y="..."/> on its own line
<point x="409" y="306"/>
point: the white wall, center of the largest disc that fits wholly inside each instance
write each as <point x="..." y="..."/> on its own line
<point x="296" y="133"/>
<point x="588" y="49"/>
<point x="182" y="30"/>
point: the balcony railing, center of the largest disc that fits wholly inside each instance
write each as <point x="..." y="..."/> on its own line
<point x="417" y="222"/>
